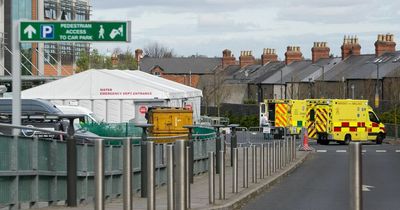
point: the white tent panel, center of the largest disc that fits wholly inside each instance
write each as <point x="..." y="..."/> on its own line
<point x="128" y="110"/>
<point x="86" y="103"/>
<point x="113" y="111"/>
<point x="100" y="109"/>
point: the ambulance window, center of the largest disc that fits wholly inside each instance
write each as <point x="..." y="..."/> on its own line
<point x="312" y="115"/>
<point x="373" y="118"/>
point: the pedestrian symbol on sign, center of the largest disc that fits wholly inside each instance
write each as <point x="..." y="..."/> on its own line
<point x="47" y="31"/>
<point x="101" y="32"/>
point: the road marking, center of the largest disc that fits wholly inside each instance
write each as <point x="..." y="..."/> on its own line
<point x="341" y="150"/>
<point x="321" y="150"/>
<point x="363" y="150"/>
<point x="380" y="150"/>
<point x="365" y="188"/>
<point x="397" y="150"/>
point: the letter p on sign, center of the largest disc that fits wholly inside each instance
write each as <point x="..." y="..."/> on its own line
<point x="47" y="31"/>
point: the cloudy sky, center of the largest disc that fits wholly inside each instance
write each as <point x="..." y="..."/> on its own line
<point x="206" y="27"/>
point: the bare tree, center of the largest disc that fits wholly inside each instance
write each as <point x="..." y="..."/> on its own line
<point x="157" y="50"/>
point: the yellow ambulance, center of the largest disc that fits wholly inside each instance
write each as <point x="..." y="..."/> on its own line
<point x="284" y="113"/>
<point x="343" y="120"/>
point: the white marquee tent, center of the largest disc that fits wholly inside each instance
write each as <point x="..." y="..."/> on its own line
<point x="117" y="95"/>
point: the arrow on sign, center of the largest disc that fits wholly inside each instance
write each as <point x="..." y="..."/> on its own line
<point x="30" y="30"/>
<point x="365" y="188"/>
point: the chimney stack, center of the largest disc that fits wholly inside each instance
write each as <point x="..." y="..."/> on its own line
<point x="292" y="54"/>
<point x="227" y="58"/>
<point x="246" y="58"/>
<point x="320" y="50"/>
<point x="384" y="43"/>
<point x="350" y="46"/>
<point x="138" y="55"/>
<point x="268" y="56"/>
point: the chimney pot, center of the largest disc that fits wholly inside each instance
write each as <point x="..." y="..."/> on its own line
<point x="228" y="58"/>
<point x="384" y="43"/>
<point x="350" y="46"/>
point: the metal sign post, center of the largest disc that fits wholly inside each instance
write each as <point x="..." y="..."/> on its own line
<point x="16" y="80"/>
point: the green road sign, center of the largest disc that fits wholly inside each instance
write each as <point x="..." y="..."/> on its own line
<point x="75" y="31"/>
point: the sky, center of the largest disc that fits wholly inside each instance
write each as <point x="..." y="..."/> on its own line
<point x="207" y="27"/>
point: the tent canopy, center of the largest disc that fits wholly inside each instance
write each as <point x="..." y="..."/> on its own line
<point x="112" y="84"/>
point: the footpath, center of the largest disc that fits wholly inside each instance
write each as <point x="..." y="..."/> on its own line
<point x="199" y="189"/>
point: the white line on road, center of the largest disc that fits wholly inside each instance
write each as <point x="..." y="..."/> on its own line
<point x="397" y="150"/>
<point x="380" y="150"/>
<point x="321" y="150"/>
<point x="363" y="150"/>
<point x="339" y="150"/>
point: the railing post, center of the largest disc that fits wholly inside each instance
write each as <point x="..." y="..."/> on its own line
<point x="143" y="159"/>
<point x="245" y="167"/>
<point x="233" y="139"/>
<point x="355" y="166"/>
<point x="269" y="159"/>
<point x="187" y="177"/>
<point x="170" y="177"/>
<point x="180" y="189"/>
<point x="191" y="152"/>
<point x="254" y="163"/>
<point x="127" y="174"/>
<point x="99" y="175"/>
<point x="218" y="147"/>
<point x="211" y="178"/>
<point x="222" y="175"/>
<point x="275" y="155"/>
<point x="151" y="200"/>
<point x="262" y="161"/>
<point x="235" y="171"/>
<point x="72" y="175"/>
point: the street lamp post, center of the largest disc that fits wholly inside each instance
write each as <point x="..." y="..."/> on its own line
<point x="377" y="62"/>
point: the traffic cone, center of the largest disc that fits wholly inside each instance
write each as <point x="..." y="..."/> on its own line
<point x="305" y="146"/>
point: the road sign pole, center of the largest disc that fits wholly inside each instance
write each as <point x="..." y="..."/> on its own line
<point x="16" y="78"/>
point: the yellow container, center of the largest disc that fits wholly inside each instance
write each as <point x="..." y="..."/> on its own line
<point x="169" y="121"/>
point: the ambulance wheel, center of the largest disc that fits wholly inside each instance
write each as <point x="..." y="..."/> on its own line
<point x="347" y="139"/>
<point x="379" y="139"/>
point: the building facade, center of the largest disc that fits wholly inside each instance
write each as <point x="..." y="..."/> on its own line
<point x="39" y="59"/>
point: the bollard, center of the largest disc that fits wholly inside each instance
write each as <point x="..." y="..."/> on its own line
<point x="233" y="139"/>
<point x="261" y="161"/>
<point x="235" y="171"/>
<point x="268" y="159"/>
<point x="143" y="160"/>
<point x="99" y="175"/>
<point x="295" y="149"/>
<point x="211" y="178"/>
<point x="180" y="189"/>
<point x="187" y="154"/>
<point x="170" y="177"/>
<point x="254" y="163"/>
<point x="222" y="175"/>
<point x="287" y="156"/>
<point x="151" y="200"/>
<point x="274" y="156"/>
<point x="245" y="167"/>
<point x="127" y="175"/>
<point x="218" y="147"/>
<point x="72" y="165"/>
<point x="279" y="154"/>
<point x="191" y="152"/>
<point x="355" y="169"/>
<point x="284" y="152"/>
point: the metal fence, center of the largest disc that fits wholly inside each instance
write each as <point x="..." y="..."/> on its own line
<point x="391" y="130"/>
<point x="34" y="170"/>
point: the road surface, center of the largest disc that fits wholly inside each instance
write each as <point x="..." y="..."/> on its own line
<point x="321" y="183"/>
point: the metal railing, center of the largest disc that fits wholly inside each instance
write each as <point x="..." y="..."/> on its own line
<point x="34" y="170"/>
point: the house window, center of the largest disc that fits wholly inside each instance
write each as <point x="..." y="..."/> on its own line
<point x="157" y="73"/>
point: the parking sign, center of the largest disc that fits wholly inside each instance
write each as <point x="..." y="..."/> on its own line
<point x="47" y="31"/>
